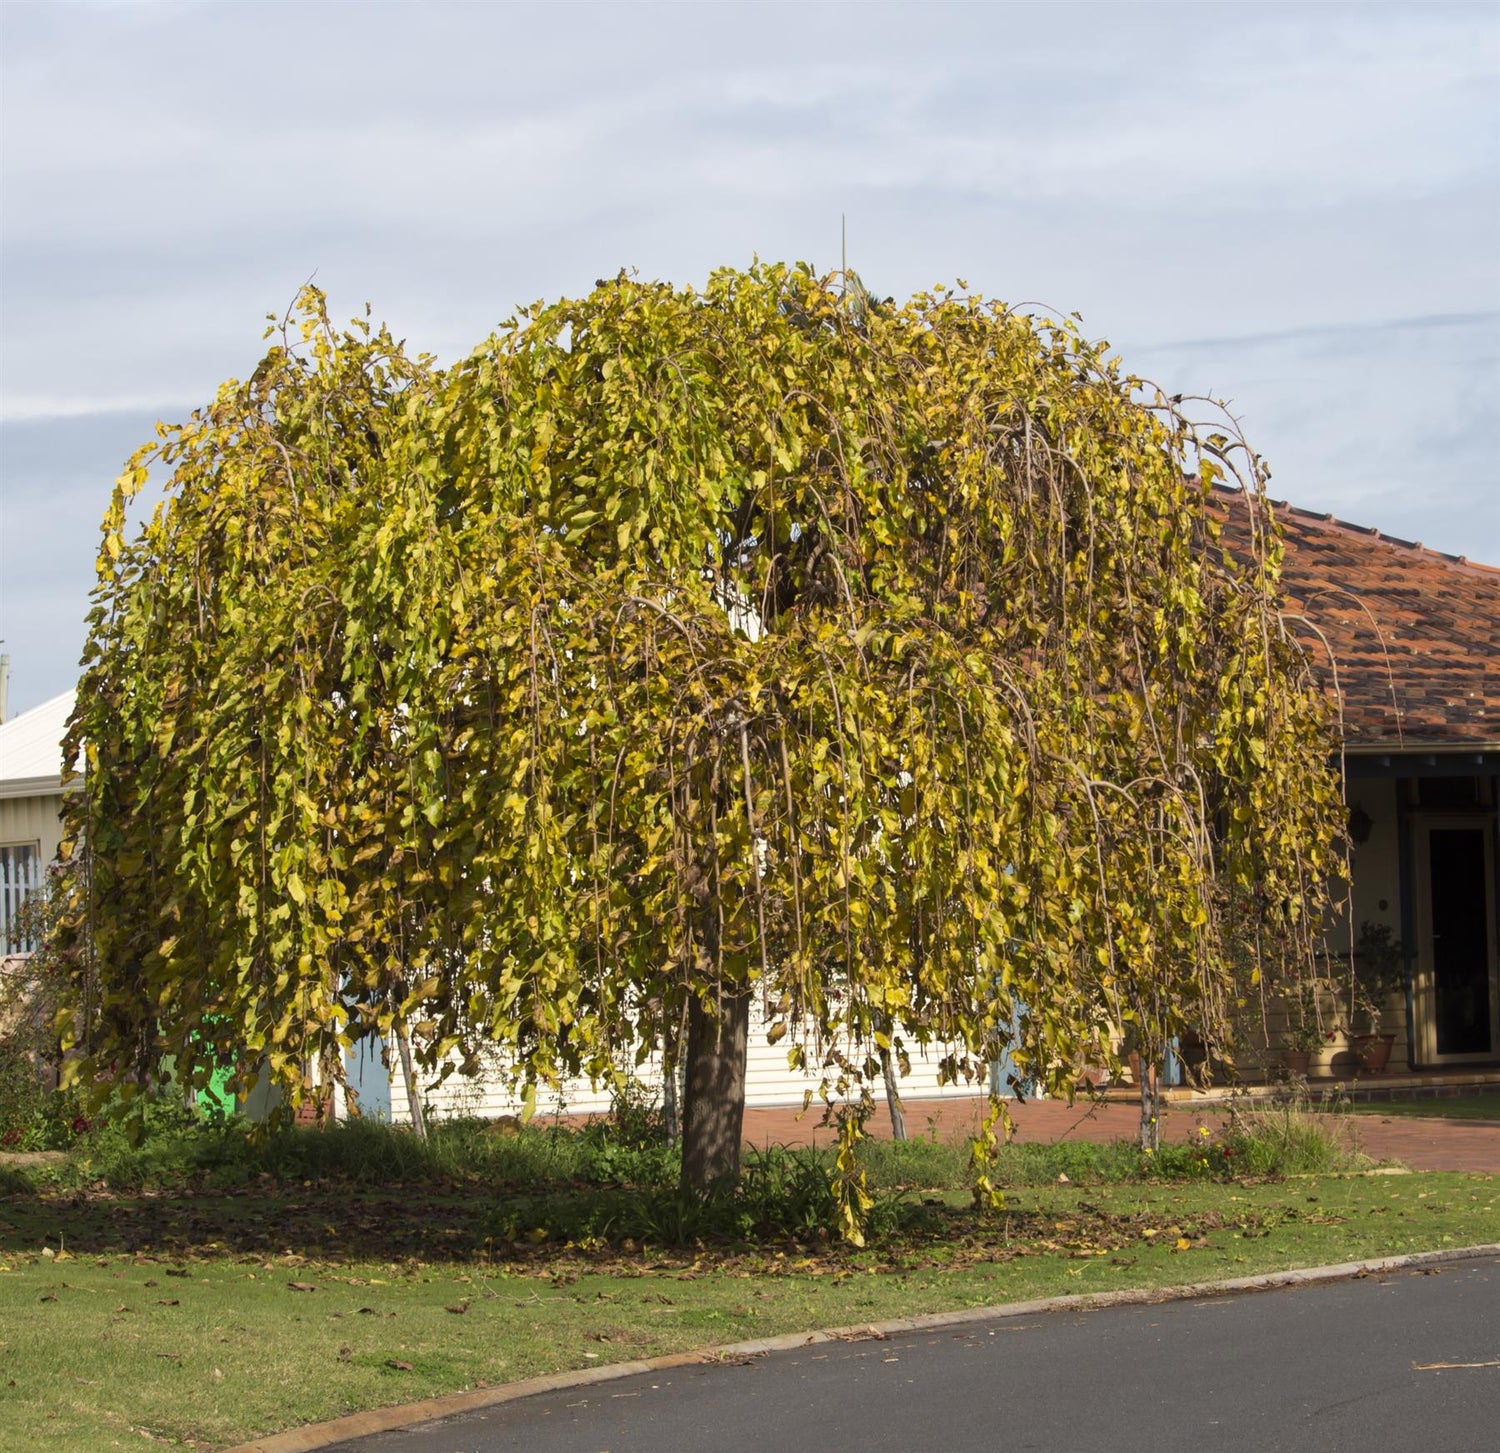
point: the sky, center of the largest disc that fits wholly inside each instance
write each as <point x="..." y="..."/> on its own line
<point x="1293" y="208"/>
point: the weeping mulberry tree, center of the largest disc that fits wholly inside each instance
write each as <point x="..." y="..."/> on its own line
<point x="680" y="649"/>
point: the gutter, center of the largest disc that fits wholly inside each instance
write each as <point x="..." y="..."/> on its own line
<point x="33" y="787"/>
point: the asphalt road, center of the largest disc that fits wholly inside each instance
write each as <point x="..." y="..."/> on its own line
<point x="1335" y="1367"/>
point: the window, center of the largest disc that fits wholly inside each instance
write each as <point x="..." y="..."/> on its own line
<point x="20" y="880"/>
<point x="1453" y="794"/>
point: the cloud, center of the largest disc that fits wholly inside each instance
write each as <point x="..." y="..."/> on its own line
<point x="1391" y="426"/>
<point x="172" y="172"/>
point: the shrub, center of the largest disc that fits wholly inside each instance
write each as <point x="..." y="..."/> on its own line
<point x="1293" y="1136"/>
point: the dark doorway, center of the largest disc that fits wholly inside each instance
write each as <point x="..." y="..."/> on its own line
<point x="1460" y="940"/>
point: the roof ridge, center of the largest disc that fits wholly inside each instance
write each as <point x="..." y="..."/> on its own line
<point x="1283" y="509"/>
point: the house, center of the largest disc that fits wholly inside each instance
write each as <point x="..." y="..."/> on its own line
<point x="31" y="799"/>
<point x="1406" y="641"/>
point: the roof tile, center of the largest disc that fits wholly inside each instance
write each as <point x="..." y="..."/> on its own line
<point x="1410" y="636"/>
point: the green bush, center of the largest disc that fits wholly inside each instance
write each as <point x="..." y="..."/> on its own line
<point x="782" y="1195"/>
<point x="1290" y="1137"/>
<point x="615" y="1178"/>
<point x="33" y="1117"/>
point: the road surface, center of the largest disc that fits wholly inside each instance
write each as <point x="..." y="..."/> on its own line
<point x="1398" y="1359"/>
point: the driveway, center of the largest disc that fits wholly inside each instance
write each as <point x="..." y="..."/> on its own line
<point x="1423" y="1144"/>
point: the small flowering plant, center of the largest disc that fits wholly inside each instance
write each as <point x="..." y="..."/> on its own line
<point x="1205" y="1155"/>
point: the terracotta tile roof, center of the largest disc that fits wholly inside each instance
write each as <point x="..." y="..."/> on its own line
<point x="1412" y="636"/>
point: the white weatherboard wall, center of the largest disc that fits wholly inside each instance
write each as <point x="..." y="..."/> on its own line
<point x="31" y="796"/>
<point x="768" y="1081"/>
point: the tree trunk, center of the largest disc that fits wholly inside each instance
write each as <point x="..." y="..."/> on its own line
<point x="671" y="1112"/>
<point x="413" y="1090"/>
<point x="671" y="1080"/>
<point x="1150" y="1106"/>
<point x="713" y="1111"/>
<point x="893" y="1096"/>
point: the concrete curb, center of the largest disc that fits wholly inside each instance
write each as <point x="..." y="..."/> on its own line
<point x="384" y="1420"/>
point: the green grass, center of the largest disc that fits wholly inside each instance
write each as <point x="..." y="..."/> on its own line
<point x="149" y="1289"/>
<point x="1483" y="1106"/>
<point x="175" y="1314"/>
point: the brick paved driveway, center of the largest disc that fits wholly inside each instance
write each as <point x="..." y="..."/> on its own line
<point x="1423" y="1144"/>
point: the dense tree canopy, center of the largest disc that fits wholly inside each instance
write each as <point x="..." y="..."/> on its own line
<point x="676" y="647"/>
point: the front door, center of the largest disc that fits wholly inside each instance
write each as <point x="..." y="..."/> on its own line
<point x="1457" y="988"/>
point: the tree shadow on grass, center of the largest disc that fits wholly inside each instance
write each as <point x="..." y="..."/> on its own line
<point x="479" y="1225"/>
<point x="322" y="1224"/>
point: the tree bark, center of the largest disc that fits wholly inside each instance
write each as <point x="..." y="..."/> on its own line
<point x="713" y="1111"/>
<point x="671" y="1112"/>
<point x="413" y="1089"/>
<point x="893" y="1096"/>
<point x="1150" y="1105"/>
<point x="671" y="1083"/>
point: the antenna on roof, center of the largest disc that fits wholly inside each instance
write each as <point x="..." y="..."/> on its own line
<point x="4" y="684"/>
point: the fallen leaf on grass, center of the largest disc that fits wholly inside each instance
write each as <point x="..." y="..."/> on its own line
<point x="168" y="1302"/>
<point x="458" y="1308"/>
<point x="398" y="1364"/>
<point x="47" y="1297"/>
<point x="302" y="1286"/>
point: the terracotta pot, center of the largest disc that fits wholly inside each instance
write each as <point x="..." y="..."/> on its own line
<point x="1373" y="1051"/>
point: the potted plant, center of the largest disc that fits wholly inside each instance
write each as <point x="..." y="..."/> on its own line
<point x="1305" y="1033"/>
<point x="1131" y="1048"/>
<point x="1299" y="1042"/>
<point x="1093" y="1069"/>
<point x="1379" y="971"/>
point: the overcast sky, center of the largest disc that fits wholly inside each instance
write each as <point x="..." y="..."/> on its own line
<point x="1295" y="208"/>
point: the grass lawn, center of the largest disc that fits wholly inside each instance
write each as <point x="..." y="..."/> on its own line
<point x="1484" y="1106"/>
<point x="202" y="1319"/>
